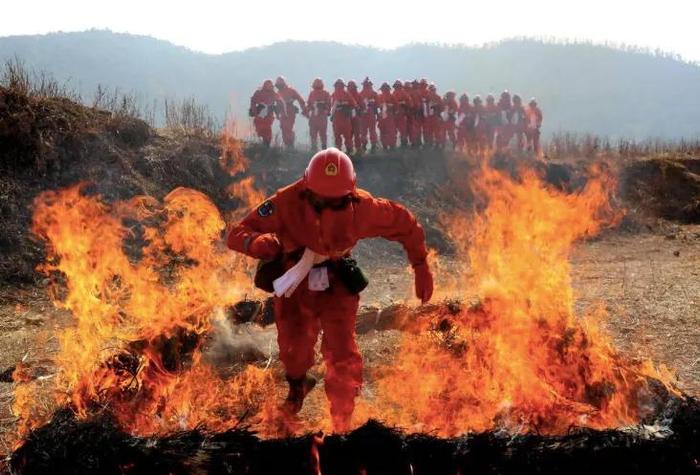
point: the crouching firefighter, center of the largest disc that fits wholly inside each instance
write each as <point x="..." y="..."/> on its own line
<point x="303" y="236"/>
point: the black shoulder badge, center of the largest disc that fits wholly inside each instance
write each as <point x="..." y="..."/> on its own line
<point x="266" y="209"/>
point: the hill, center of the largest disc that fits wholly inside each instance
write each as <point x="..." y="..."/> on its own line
<point x="581" y="87"/>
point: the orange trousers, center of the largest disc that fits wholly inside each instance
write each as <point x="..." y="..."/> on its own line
<point x="299" y="320"/>
<point x="263" y="127"/>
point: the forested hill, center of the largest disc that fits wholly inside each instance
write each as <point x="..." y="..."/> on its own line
<point x="581" y="87"/>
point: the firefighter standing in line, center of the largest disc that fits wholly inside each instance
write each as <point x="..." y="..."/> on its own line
<point x="410" y="112"/>
<point x="343" y="107"/>
<point x="402" y="101"/>
<point x="310" y="227"/>
<point x="387" y="108"/>
<point x="368" y="117"/>
<point x="357" y="113"/>
<point x="504" y="131"/>
<point x="264" y="106"/>
<point x="416" y="125"/>
<point x="533" y="116"/>
<point x="449" y="118"/>
<point x="517" y="122"/>
<point x="433" y="121"/>
<point x="318" y="109"/>
<point x="492" y="119"/>
<point x="288" y="115"/>
<point x="421" y="103"/>
<point x="481" y="128"/>
<point x="465" y="124"/>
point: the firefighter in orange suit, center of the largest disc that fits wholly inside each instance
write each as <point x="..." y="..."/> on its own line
<point x="368" y="115"/>
<point x="343" y="109"/>
<point x="289" y="112"/>
<point x="321" y="217"/>
<point x="318" y="108"/>
<point x="264" y="106"/>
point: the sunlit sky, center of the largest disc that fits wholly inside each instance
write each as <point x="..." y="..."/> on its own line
<point x="220" y="26"/>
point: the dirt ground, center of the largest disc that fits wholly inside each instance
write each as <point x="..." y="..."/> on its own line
<point x="649" y="282"/>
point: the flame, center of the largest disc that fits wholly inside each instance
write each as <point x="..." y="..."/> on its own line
<point x="144" y="279"/>
<point x="519" y="359"/>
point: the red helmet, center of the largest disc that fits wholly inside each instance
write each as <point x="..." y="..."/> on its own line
<point x="268" y="84"/>
<point x="330" y="173"/>
<point x="317" y="84"/>
<point x="280" y="82"/>
<point x="352" y="84"/>
<point x="398" y="83"/>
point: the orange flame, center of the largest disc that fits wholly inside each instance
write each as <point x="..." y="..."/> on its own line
<point x="144" y="280"/>
<point x="519" y="360"/>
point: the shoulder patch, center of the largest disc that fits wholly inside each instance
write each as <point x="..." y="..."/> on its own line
<point x="266" y="209"/>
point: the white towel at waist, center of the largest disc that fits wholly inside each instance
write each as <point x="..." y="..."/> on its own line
<point x="290" y="280"/>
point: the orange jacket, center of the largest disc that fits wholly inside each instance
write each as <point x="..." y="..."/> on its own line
<point x="403" y="101"/>
<point x="333" y="233"/>
<point x="451" y="107"/>
<point x="368" y="98"/>
<point x="342" y="103"/>
<point x="534" y="117"/>
<point x="288" y="96"/>
<point x="435" y="104"/>
<point x="319" y="103"/>
<point x="386" y="104"/>
<point x="264" y="102"/>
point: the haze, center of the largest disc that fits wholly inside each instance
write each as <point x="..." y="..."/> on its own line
<point x="216" y="27"/>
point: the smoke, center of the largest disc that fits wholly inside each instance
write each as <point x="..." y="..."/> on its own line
<point x="245" y="343"/>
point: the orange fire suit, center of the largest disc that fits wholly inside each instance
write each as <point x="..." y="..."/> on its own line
<point x="518" y="125"/>
<point x="368" y="116"/>
<point x="343" y="108"/>
<point x="420" y="101"/>
<point x="481" y="130"/>
<point x="387" y="128"/>
<point x="264" y="104"/>
<point x="465" y="127"/>
<point x="356" y="121"/>
<point x="492" y="121"/>
<point x="505" y="129"/>
<point x="289" y="95"/>
<point x="404" y="106"/>
<point x="451" y="109"/>
<point x="433" y="122"/>
<point x="318" y="109"/>
<point x="300" y="317"/>
<point x="533" y="116"/>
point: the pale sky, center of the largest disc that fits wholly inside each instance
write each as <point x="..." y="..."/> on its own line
<point x="220" y="26"/>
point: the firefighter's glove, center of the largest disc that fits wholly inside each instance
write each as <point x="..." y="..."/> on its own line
<point x="424" y="282"/>
<point x="264" y="246"/>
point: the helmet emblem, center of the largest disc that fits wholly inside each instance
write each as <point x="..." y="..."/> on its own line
<point x="331" y="169"/>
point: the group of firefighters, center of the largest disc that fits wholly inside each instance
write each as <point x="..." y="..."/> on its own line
<point x="407" y="113"/>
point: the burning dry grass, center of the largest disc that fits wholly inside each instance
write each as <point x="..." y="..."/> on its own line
<point x="143" y="280"/>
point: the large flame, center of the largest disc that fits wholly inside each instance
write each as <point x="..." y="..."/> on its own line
<point x="519" y="359"/>
<point x="144" y="278"/>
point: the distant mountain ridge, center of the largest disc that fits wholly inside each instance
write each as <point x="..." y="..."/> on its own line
<point x="581" y="87"/>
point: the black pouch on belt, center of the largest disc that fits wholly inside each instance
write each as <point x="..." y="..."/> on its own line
<point x="267" y="272"/>
<point x="350" y="274"/>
